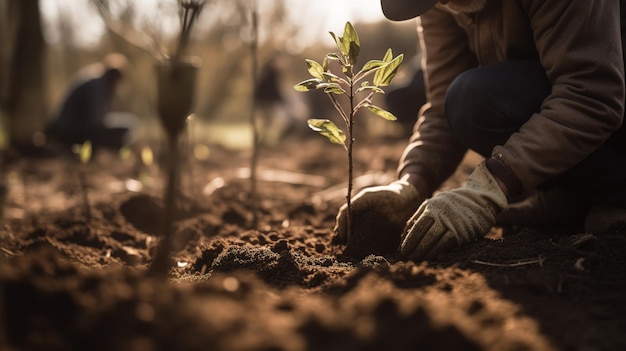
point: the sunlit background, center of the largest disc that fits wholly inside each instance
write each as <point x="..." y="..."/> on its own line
<point x="314" y="17"/>
<point x="76" y="35"/>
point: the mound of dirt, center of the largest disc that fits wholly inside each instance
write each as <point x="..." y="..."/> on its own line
<point x="68" y="282"/>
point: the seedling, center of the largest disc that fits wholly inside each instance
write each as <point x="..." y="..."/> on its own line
<point x="176" y="85"/>
<point x="351" y="85"/>
<point x="85" y="152"/>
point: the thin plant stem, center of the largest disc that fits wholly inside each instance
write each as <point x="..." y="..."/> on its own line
<point x="189" y="11"/>
<point x="160" y="265"/>
<point x="367" y="100"/>
<point x="254" y="159"/>
<point x="83" y="186"/>
<point x="339" y="109"/>
<point x="350" y="161"/>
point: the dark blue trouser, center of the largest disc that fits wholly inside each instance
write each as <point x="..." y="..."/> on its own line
<point x="485" y="105"/>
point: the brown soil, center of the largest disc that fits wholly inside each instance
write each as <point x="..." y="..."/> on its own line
<point x="69" y="282"/>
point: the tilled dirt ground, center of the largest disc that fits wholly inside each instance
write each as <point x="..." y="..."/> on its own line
<point x="72" y="280"/>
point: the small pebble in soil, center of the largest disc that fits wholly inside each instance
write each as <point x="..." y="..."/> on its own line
<point x="280" y="246"/>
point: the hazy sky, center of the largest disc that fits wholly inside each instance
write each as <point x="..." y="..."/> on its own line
<point x="331" y="15"/>
<point x="317" y="17"/>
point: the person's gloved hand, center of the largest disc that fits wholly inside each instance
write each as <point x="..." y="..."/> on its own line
<point x="454" y="217"/>
<point x="395" y="202"/>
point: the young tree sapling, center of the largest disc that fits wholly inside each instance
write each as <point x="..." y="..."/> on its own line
<point x="176" y="80"/>
<point x="85" y="152"/>
<point x="352" y="85"/>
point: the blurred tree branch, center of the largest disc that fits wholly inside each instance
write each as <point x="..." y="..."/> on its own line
<point x="22" y="70"/>
<point x="121" y="27"/>
<point x="8" y="30"/>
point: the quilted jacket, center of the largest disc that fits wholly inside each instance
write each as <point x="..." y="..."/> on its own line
<point x="578" y="42"/>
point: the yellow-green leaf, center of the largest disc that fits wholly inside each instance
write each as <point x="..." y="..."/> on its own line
<point x="147" y="156"/>
<point x="370" y="88"/>
<point x="382" y="113"/>
<point x="330" y="76"/>
<point x="85" y="152"/>
<point x="332" y="88"/>
<point x="308" y="85"/>
<point x="388" y="55"/>
<point x="315" y="69"/>
<point x="333" y="57"/>
<point x="385" y="74"/>
<point x="339" y="43"/>
<point x="351" y="43"/>
<point x="328" y="129"/>
<point x="372" y="64"/>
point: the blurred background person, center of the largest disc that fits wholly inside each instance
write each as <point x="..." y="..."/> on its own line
<point x="86" y="112"/>
<point x="283" y="112"/>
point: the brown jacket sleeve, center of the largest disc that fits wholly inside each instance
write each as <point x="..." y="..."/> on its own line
<point x="434" y="152"/>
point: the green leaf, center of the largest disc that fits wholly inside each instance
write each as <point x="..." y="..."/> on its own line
<point x="331" y="88"/>
<point x="339" y="43"/>
<point x="85" y="152"/>
<point x="328" y="76"/>
<point x="371" y="88"/>
<point x="328" y="129"/>
<point x="388" y="55"/>
<point x="334" y="90"/>
<point x="382" y="113"/>
<point x="385" y="74"/>
<point x="333" y="57"/>
<point x="308" y="85"/>
<point x="147" y="156"/>
<point x="349" y="45"/>
<point x="315" y="69"/>
<point x="371" y="65"/>
<point x="347" y="70"/>
<point x="351" y="42"/>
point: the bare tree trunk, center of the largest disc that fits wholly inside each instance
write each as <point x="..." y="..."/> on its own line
<point x="22" y="96"/>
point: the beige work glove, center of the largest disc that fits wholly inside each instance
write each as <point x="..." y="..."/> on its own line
<point x="454" y="217"/>
<point x="395" y="202"/>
